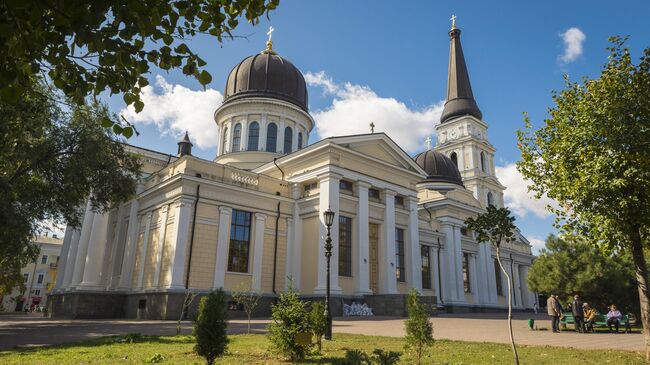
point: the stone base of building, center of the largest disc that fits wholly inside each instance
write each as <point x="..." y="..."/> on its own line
<point x="168" y="305"/>
<point x="468" y="308"/>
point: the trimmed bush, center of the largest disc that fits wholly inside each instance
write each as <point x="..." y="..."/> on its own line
<point x="210" y="326"/>
<point x="290" y="320"/>
<point x="419" y="330"/>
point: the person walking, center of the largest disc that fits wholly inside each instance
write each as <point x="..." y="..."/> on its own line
<point x="551" y="309"/>
<point x="578" y="314"/>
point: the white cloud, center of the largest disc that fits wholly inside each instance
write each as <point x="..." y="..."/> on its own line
<point x="354" y="107"/>
<point x="537" y="244"/>
<point x="517" y="197"/>
<point x="573" y="40"/>
<point x="176" y="109"/>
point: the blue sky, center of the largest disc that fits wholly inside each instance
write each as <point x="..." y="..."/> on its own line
<point x="386" y="61"/>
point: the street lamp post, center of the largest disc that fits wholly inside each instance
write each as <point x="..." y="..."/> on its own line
<point x="328" y="215"/>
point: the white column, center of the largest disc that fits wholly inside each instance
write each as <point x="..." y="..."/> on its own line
<point x="82" y="249"/>
<point x="280" y="140"/>
<point x="117" y="248"/>
<point x="178" y="249"/>
<point x="128" y="260"/>
<point x="243" y="146"/>
<point x="230" y="126"/>
<point x="436" y="274"/>
<point x="95" y="254"/>
<point x="525" y="294"/>
<point x="361" y="269"/>
<point x="223" y="242"/>
<point x="145" y="246"/>
<point x="485" y="269"/>
<point x="297" y="238"/>
<point x="459" y="264"/>
<point x="414" y="259"/>
<point x="160" y="245"/>
<point x="517" y="284"/>
<point x="387" y="269"/>
<point x="288" y="259"/>
<point x="262" y="141"/>
<point x="475" y="289"/>
<point x="258" y="251"/>
<point x="449" y="265"/>
<point x="63" y="257"/>
<point x="328" y="199"/>
<point x="70" y="259"/>
<point x="294" y="138"/>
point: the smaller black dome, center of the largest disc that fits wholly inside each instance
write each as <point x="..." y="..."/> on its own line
<point x="439" y="168"/>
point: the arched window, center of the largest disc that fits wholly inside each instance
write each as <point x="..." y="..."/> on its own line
<point x="225" y="140"/>
<point x="483" y="161"/>
<point x="236" y="137"/>
<point x="288" y="139"/>
<point x="272" y="137"/>
<point x="490" y="198"/>
<point x="253" y="136"/>
<point x="299" y="140"/>
<point x="454" y="158"/>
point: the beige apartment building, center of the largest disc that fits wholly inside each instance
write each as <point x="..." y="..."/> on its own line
<point x="253" y="216"/>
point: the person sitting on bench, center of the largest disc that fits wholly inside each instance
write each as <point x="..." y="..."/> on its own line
<point x="613" y="318"/>
<point x="590" y="317"/>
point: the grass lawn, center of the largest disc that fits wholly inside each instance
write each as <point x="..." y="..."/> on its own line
<point x="253" y="349"/>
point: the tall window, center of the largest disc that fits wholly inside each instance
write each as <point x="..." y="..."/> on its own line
<point x="483" y="162"/>
<point x="224" y="143"/>
<point x="25" y="278"/>
<point x="272" y="137"/>
<point x="466" y="285"/>
<point x="399" y="254"/>
<point x="490" y="198"/>
<point x="426" y="267"/>
<point x="454" y="158"/>
<point x="240" y="239"/>
<point x="40" y="278"/>
<point x="299" y="140"/>
<point x="288" y="139"/>
<point x="497" y="272"/>
<point x="345" y="246"/>
<point x="44" y="259"/>
<point x="236" y="138"/>
<point x="253" y="136"/>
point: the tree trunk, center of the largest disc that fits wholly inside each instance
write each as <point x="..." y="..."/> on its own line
<point x="641" y="271"/>
<point x="512" y="339"/>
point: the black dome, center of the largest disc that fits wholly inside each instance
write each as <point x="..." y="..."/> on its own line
<point x="267" y="75"/>
<point x="439" y="168"/>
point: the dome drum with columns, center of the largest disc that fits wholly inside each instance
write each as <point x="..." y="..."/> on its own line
<point x="253" y="217"/>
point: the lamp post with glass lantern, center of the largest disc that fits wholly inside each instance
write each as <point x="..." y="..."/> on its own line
<point x="328" y="216"/>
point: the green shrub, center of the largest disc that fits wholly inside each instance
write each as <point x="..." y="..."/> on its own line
<point x="379" y="357"/>
<point x="382" y="357"/>
<point x="210" y="326"/>
<point x="355" y="357"/>
<point x="318" y="322"/>
<point x="290" y="319"/>
<point x="419" y="330"/>
<point x="156" y="358"/>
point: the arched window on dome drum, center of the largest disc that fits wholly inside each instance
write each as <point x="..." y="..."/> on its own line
<point x="253" y="136"/>
<point x="483" y="161"/>
<point x="299" y="140"/>
<point x="288" y="139"/>
<point x="490" y="198"/>
<point x="272" y="138"/>
<point x="454" y="158"/>
<point x="236" y="137"/>
<point x="224" y="140"/>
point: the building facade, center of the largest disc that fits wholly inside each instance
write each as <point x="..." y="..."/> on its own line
<point x="39" y="277"/>
<point x="253" y="217"/>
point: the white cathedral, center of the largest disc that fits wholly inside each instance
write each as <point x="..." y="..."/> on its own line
<point x="253" y="217"/>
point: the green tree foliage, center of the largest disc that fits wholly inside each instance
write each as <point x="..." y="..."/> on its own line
<point x="592" y="155"/>
<point x="51" y="159"/>
<point x="89" y="47"/>
<point x="318" y="322"/>
<point x="248" y="299"/>
<point x="577" y="267"/>
<point x="210" y="326"/>
<point x="290" y="319"/>
<point x="497" y="225"/>
<point x="419" y="330"/>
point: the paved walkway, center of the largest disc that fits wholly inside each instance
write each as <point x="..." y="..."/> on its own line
<point x="29" y="330"/>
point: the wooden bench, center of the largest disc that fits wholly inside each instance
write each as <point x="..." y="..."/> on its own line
<point x="599" y="321"/>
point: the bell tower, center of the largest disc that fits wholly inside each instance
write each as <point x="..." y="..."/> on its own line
<point x="462" y="133"/>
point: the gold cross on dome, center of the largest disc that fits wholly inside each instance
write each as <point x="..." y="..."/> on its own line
<point x="372" y="127"/>
<point x="453" y="21"/>
<point x="270" y="33"/>
<point x="428" y="141"/>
